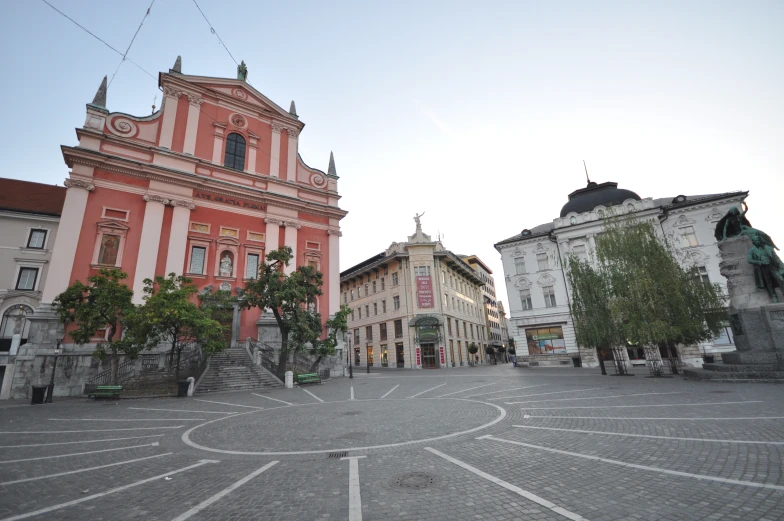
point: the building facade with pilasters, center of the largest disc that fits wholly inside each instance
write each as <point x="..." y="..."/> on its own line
<point x="536" y="281"/>
<point x="204" y="187"/>
<point x="415" y="305"/>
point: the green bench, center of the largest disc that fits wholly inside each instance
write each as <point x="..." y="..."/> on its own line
<point x="105" y="391"/>
<point x="308" y="378"/>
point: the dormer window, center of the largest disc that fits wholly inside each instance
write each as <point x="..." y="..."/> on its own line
<point x="235" y="152"/>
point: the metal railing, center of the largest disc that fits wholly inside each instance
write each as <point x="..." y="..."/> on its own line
<point x="105" y="377"/>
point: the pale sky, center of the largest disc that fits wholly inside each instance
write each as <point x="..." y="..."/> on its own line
<point x="477" y="113"/>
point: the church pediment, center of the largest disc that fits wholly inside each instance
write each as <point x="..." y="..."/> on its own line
<point x="112" y="225"/>
<point x="242" y="92"/>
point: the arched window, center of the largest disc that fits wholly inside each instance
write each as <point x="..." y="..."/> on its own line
<point x="14" y="322"/>
<point x="235" y="152"/>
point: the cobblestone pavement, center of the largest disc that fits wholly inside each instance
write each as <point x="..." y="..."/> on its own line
<point x="485" y="443"/>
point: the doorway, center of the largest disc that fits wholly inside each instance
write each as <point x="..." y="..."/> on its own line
<point x="400" y="355"/>
<point x="429" y="356"/>
<point x="370" y="356"/>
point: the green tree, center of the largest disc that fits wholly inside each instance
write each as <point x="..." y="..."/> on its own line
<point x="103" y="303"/>
<point x="637" y="293"/>
<point x="169" y="315"/>
<point x="292" y="298"/>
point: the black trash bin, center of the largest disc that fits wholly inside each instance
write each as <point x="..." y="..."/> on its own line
<point x="182" y="388"/>
<point x="39" y="393"/>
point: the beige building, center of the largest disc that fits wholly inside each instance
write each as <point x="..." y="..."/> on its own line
<point x="416" y="305"/>
<point x="29" y="215"/>
<point x="489" y="302"/>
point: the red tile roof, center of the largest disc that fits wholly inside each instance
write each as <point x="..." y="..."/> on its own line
<point x="24" y="196"/>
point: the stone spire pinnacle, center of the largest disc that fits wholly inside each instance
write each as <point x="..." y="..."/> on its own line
<point x="177" y="65"/>
<point x="331" y="170"/>
<point x="100" y="96"/>
<point x="293" y="110"/>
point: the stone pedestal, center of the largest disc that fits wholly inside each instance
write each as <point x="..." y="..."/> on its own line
<point x="757" y="323"/>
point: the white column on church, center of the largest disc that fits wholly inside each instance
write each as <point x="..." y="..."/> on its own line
<point x="170" y="99"/>
<point x="290" y="240"/>
<point x="291" y="167"/>
<point x="272" y="234"/>
<point x="194" y="109"/>
<point x="275" y="149"/>
<point x="148" y="245"/>
<point x="217" y="144"/>
<point x="253" y="146"/>
<point x="67" y="238"/>
<point x="178" y="237"/>
<point x="334" y="271"/>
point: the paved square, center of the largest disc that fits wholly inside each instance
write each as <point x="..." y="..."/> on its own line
<point x="490" y="443"/>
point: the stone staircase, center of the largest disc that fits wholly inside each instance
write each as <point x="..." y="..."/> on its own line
<point x="232" y="370"/>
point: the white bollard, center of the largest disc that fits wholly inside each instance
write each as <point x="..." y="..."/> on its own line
<point x="15" y="341"/>
<point x="192" y="385"/>
<point x="289" y="379"/>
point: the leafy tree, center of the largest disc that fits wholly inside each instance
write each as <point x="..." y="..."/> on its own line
<point x="473" y="349"/>
<point x="103" y="303"/>
<point x="291" y="298"/>
<point x="170" y="316"/>
<point x="637" y="293"/>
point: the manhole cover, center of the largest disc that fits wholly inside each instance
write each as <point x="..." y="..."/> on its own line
<point x="415" y="481"/>
<point x="337" y="455"/>
<point x="351" y="413"/>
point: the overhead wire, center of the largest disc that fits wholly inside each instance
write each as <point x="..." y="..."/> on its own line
<point x="99" y="39"/>
<point x="125" y="55"/>
<point x="212" y="29"/>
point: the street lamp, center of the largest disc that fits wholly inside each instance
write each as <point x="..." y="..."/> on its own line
<point x="348" y="360"/>
<point x="50" y="390"/>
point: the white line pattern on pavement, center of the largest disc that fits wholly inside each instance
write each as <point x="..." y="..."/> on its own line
<point x="635" y="466"/>
<point x="80" y="441"/>
<point x="635" y="406"/>
<point x="313" y="395"/>
<point x="650" y="436"/>
<point x="155" y="444"/>
<point x="87" y="469"/>
<point x="623" y="418"/>
<point x="207" y="502"/>
<point x="428" y="390"/>
<point x="390" y="391"/>
<point x="178" y="410"/>
<point x="588" y="398"/>
<point x="352" y="392"/>
<point x="96" y="430"/>
<point x="273" y="399"/>
<point x="127" y="419"/>
<point x="232" y="404"/>
<point x="101" y="494"/>
<point x="508" y="486"/>
<point x="354" y="493"/>
<point x="554" y="392"/>
<point x="466" y="390"/>
<point x="513" y="389"/>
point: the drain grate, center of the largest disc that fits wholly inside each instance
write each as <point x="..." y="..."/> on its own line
<point x="338" y="455"/>
<point x="414" y="481"/>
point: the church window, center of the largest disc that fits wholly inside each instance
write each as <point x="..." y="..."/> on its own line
<point x="27" y="279"/>
<point x="252" y="266"/>
<point x="37" y="239"/>
<point x="198" y="256"/>
<point x="235" y="152"/>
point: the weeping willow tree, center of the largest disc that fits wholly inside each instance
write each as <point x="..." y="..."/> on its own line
<point x="636" y="293"/>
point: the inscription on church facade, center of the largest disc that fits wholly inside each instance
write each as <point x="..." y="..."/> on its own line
<point x="230" y="201"/>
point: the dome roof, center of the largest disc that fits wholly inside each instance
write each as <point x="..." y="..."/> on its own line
<point x="593" y="195"/>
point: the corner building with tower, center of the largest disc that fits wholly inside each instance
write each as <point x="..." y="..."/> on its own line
<point x="204" y="187"/>
<point x="415" y="305"/>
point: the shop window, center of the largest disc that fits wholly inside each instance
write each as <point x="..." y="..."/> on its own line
<point x="384" y="356"/>
<point x="545" y="341"/>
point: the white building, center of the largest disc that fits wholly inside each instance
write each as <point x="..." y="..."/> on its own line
<point x="533" y="260"/>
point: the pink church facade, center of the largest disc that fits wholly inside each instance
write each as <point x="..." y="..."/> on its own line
<point x="204" y="187"/>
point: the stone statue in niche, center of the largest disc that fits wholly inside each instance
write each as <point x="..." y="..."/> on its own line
<point x="226" y="265"/>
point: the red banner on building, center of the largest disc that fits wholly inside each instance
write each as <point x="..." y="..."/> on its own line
<point x="424" y="291"/>
<point x="418" y="357"/>
<point x="443" y="359"/>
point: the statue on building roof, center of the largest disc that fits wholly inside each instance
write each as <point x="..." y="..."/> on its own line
<point x="242" y="71"/>
<point x="416" y="220"/>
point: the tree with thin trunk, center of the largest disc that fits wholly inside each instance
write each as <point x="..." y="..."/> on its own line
<point x="292" y="300"/>
<point x="635" y="292"/>
<point x="170" y="316"/>
<point x="101" y="306"/>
